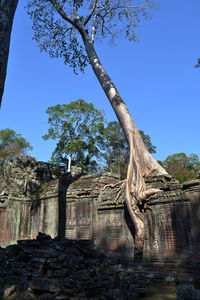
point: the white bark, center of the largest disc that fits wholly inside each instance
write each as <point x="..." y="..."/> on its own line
<point x="69" y="163"/>
<point x="7" y="11"/>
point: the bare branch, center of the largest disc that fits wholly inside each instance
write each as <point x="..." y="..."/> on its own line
<point x="67" y="29"/>
<point x="91" y="12"/>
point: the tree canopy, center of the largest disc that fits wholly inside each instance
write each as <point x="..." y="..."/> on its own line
<point x="12" y="145"/>
<point x="181" y="166"/>
<point x="78" y="129"/>
<point x="56" y="24"/>
<point x="84" y="136"/>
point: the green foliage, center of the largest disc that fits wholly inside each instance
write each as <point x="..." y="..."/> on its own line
<point x="147" y="141"/>
<point x="110" y="20"/>
<point x="80" y="132"/>
<point x="55" y="36"/>
<point x="12" y="145"/>
<point x="181" y="166"/>
<point x="78" y="128"/>
<point x="117" y="149"/>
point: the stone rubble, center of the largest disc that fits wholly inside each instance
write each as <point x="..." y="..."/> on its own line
<point x="58" y="269"/>
<point x="47" y="268"/>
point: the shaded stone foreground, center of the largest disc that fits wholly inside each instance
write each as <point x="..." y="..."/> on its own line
<point x="47" y="269"/>
<point x="39" y="197"/>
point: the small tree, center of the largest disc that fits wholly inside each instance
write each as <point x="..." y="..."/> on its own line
<point x="7" y="12"/>
<point x="78" y="128"/>
<point x="12" y="145"/>
<point x="69" y="29"/>
<point x="182" y="167"/>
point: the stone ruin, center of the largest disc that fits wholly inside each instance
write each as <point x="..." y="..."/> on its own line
<point x="40" y="197"/>
<point x="65" y="269"/>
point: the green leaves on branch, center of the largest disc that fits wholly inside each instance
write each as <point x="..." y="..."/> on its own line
<point x="55" y="36"/>
<point x="181" y="166"/>
<point x="78" y="128"/>
<point x="117" y="149"/>
<point x="82" y="133"/>
<point x="56" y="25"/>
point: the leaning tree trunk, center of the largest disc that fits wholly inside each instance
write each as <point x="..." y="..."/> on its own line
<point x="7" y="11"/>
<point x="141" y="163"/>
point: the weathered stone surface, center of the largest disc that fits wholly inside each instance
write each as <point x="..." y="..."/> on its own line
<point x="92" y="208"/>
<point x="99" y="277"/>
<point x="46" y="284"/>
<point x="46" y="296"/>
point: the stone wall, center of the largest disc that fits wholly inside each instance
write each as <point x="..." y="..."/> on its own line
<point x="39" y="197"/>
<point x="55" y="269"/>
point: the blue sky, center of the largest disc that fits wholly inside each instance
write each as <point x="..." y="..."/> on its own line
<point x="156" y="78"/>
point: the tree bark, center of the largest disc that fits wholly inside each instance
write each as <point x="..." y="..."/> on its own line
<point x="141" y="163"/>
<point x="7" y="12"/>
<point x="69" y="163"/>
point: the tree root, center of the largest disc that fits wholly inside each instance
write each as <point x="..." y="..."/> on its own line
<point x="111" y="185"/>
<point x="141" y="204"/>
<point x="120" y="190"/>
<point x="136" y="204"/>
<point x="143" y="195"/>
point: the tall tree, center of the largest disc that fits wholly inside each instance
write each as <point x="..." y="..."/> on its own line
<point x="12" y="145"/>
<point x="59" y="27"/>
<point x="7" y="12"/>
<point x="78" y="128"/>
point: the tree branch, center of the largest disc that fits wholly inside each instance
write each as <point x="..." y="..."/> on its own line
<point x="91" y="12"/>
<point x="62" y="13"/>
<point x="94" y="28"/>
